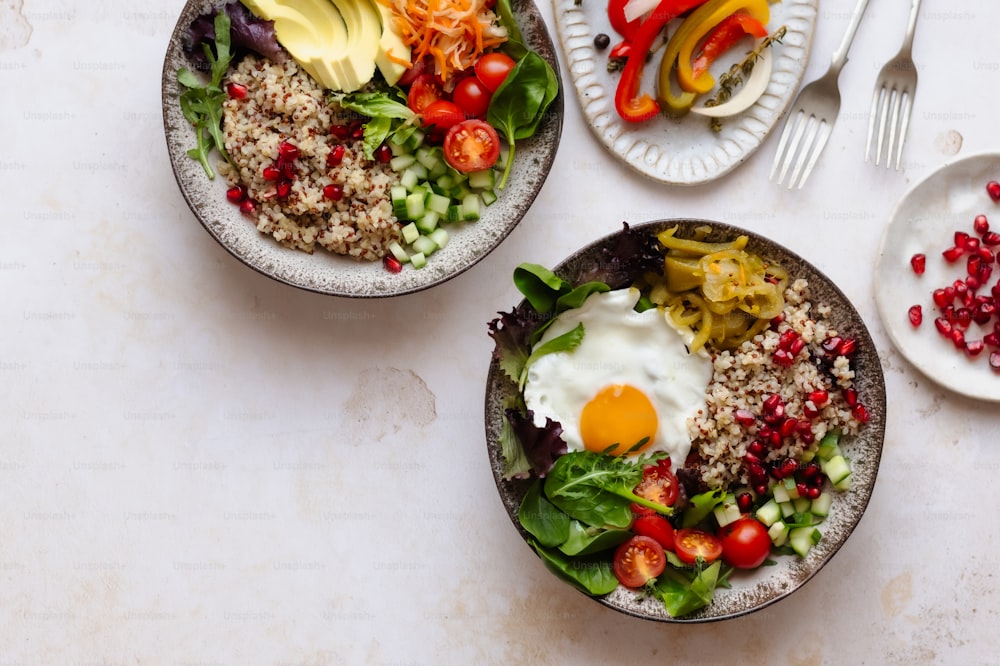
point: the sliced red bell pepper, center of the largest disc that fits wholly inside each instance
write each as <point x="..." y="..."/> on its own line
<point x="723" y="37"/>
<point x="633" y="106"/>
<point x="621" y="25"/>
<point x="621" y="50"/>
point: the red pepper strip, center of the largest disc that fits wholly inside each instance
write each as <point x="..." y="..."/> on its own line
<point x="621" y="50"/>
<point x="632" y="106"/>
<point x="723" y="37"/>
<point x="616" y="14"/>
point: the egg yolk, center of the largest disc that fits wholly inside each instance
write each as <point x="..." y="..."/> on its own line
<point x="619" y="414"/>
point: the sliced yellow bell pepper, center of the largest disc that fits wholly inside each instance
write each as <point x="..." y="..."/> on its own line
<point x="680" y="51"/>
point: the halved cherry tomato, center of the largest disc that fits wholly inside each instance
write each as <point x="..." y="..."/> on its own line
<point x="656" y="527"/>
<point x="471" y="145"/>
<point x="745" y="543"/>
<point x="492" y="68"/>
<point x="443" y="115"/>
<point x="472" y="96"/>
<point x="638" y="560"/>
<point x="690" y="544"/>
<point x="658" y="484"/>
<point x="424" y="91"/>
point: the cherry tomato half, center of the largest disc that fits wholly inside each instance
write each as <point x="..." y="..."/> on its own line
<point x="443" y="115"/>
<point x="745" y="543"/>
<point x="690" y="544"/>
<point x="638" y="560"/>
<point x="472" y="96"/>
<point x="492" y="68"/>
<point x="471" y="145"/>
<point x="658" y="484"/>
<point x="656" y="527"/>
<point x="424" y="91"/>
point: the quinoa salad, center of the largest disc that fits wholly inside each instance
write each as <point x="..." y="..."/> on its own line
<point x="285" y="126"/>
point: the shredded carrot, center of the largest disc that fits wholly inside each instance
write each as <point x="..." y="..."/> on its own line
<point x="405" y="62"/>
<point x="454" y="33"/>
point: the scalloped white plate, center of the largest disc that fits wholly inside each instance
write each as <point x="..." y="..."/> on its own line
<point x="925" y="220"/>
<point x="684" y="151"/>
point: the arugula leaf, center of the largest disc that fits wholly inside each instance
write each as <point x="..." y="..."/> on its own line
<point x="597" y="489"/>
<point x="542" y="519"/>
<point x="586" y="540"/>
<point x="683" y="592"/>
<point x="592" y="576"/>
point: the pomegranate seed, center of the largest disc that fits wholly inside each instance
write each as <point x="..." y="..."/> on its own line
<point x="809" y="409"/>
<point x="788" y="427"/>
<point x="391" y="263"/>
<point x="972" y="264"/>
<point x="771" y="402"/>
<point x="860" y="414"/>
<point x="814" y="493"/>
<point x="831" y="344"/>
<point x="986" y="254"/>
<point x="960" y="238"/>
<point x="236" y="90"/>
<point x="981" y="224"/>
<point x="807" y="437"/>
<point x="288" y="151"/>
<point x="334" y="192"/>
<point x="943" y="326"/>
<point x="340" y="131"/>
<point x="777" y="319"/>
<point x="760" y="488"/>
<point x="985" y="271"/>
<point x="787" y="338"/>
<point x="356" y="130"/>
<point x="916" y="314"/>
<point x="963" y="317"/>
<point x="756" y="447"/>
<point x="974" y="347"/>
<point x="811" y="470"/>
<point x="288" y="170"/>
<point x="995" y="360"/>
<point x="992" y="339"/>
<point x="383" y="154"/>
<point x="801" y="488"/>
<point x="797" y="346"/>
<point x="919" y="263"/>
<point x="971" y="244"/>
<point x="777" y="473"/>
<point x="984" y="312"/>
<point x="993" y="189"/>
<point x="958" y="338"/>
<point x="782" y="358"/>
<point x="847" y="347"/>
<point x="336" y="155"/>
<point x="952" y="254"/>
<point x="247" y="206"/>
<point x="745" y="502"/>
<point x="802" y="426"/>
<point x="789" y="466"/>
<point x="972" y="282"/>
<point x="819" y="398"/>
<point x="940" y="297"/>
<point x="757" y="472"/>
<point x="236" y="194"/>
<point x="991" y="238"/>
<point x="284" y="189"/>
<point x="851" y="397"/>
<point x="744" y="417"/>
<point x="751" y="459"/>
<point x="271" y="173"/>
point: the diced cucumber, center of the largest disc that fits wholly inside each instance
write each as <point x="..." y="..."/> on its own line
<point x="828" y="446"/>
<point x="445" y="182"/>
<point x="439" y="236"/>
<point x="482" y="180"/>
<point x="821" y="505"/>
<point x="419" y="260"/>
<point x="397" y="194"/>
<point x="780" y="493"/>
<point x="801" y="504"/>
<point x="470" y="208"/>
<point x="787" y="509"/>
<point x="437" y="203"/>
<point x="408" y="179"/>
<point x="727" y="512"/>
<point x="454" y="213"/>
<point x="425" y="246"/>
<point x="460" y="190"/>
<point x="836" y="469"/>
<point x="769" y="513"/>
<point x="429" y="156"/>
<point x="415" y="205"/>
<point x="401" y="162"/>
<point x="397" y="251"/>
<point x="802" y="539"/>
<point x="778" y="532"/>
<point x="410" y="233"/>
<point x="415" y="140"/>
<point x="418" y="170"/>
<point x="844" y="484"/>
<point x="428" y="222"/>
<point x="438" y="170"/>
<point x="489" y="197"/>
<point x="790" y="488"/>
<point x="396" y="148"/>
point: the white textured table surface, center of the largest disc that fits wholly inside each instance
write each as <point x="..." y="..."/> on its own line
<point x="201" y="466"/>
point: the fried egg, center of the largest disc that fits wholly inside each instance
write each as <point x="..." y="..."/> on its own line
<point x="630" y="379"/>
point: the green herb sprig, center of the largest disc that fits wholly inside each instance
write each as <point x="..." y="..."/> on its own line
<point x="202" y="103"/>
<point x="738" y="74"/>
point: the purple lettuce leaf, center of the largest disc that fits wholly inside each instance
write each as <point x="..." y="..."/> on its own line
<point x="511" y="333"/>
<point x="631" y="254"/>
<point x="247" y="34"/>
<point x="541" y="445"/>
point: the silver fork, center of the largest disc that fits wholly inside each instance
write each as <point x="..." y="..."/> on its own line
<point x="892" y="101"/>
<point x="813" y="114"/>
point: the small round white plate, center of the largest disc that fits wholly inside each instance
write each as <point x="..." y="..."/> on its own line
<point x="684" y="151"/>
<point x="925" y="221"/>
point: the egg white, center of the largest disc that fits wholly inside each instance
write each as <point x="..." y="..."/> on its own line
<point x="620" y="346"/>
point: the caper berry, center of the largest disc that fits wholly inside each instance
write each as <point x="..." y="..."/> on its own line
<point x="601" y="41"/>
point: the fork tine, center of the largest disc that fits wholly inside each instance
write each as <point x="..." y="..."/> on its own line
<point x="883" y="124"/>
<point x="893" y="128"/>
<point x="872" y="117"/>
<point x="823" y="134"/>
<point x="810" y="126"/>
<point x="779" y="155"/>
<point x="903" y="125"/>
<point x="795" y="132"/>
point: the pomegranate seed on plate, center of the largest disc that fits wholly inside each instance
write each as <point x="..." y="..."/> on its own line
<point x="995" y="360"/>
<point x="392" y="264"/>
<point x="991" y="339"/>
<point x="981" y="224"/>
<point x="991" y="238"/>
<point x="289" y="151"/>
<point x="247" y="206"/>
<point x="919" y="263"/>
<point x="236" y="90"/>
<point x="383" y="154"/>
<point x="270" y="173"/>
<point x="952" y="254"/>
<point x="916" y="314"/>
<point x="860" y="413"/>
<point x="974" y="347"/>
<point x="334" y="192"/>
<point x="236" y="194"/>
<point x="336" y="155"/>
<point x="745" y="502"/>
<point x="756" y="447"/>
<point x="993" y="189"/>
<point x="819" y="398"/>
<point x="744" y="417"/>
<point x="284" y="189"/>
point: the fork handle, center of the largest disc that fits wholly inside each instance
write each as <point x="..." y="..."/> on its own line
<point x="840" y="55"/>
<point x="911" y="27"/>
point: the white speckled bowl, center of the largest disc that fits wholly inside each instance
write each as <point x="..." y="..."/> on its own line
<point x="684" y="151"/>
<point x="341" y="276"/>
<point x="753" y="590"/>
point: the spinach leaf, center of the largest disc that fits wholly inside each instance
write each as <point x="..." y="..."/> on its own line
<point x="701" y="505"/>
<point x="575" y="297"/>
<point x="585" y="540"/>
<point x="539" y="285"/>
<point x="593" y="576"/>
<point x="596" y="489"/>
<point x="520" y="102"/>
<point x="563" y="343"/>
<point x="374" y="105"/>
<point x="542" y="519"/>
<point x="506" y="15"/>
<point x="201" y="104"/>
<point x="683" y="592"/>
